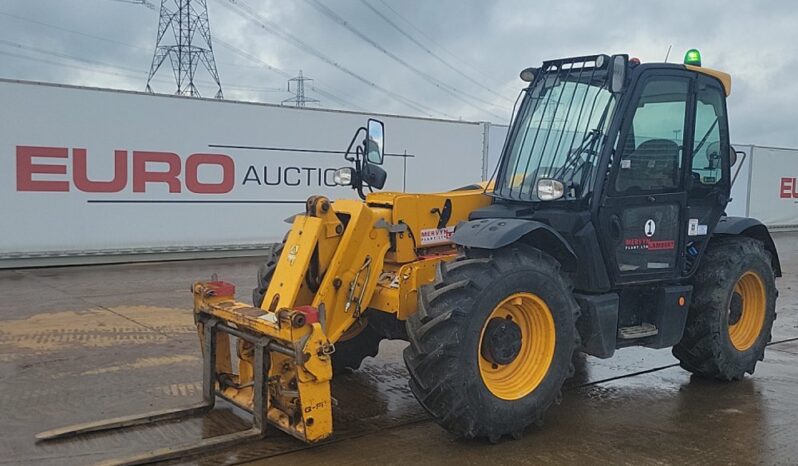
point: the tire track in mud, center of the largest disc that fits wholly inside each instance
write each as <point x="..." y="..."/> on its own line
<point x="80" y="398"/>
<point x="274" y="445"/>
<point x="92" y="328"/>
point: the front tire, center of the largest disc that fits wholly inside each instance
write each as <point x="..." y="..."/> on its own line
<point x="492" y="341"/>
<point x="732" y="311"/>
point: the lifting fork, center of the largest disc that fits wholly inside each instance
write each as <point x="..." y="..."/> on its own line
<point x="211" y="325"/>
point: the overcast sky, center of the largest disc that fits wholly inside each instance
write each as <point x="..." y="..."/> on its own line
<point x="448" y="58"/>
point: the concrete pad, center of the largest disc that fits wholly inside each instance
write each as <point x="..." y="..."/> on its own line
<point x="83" y="343"/>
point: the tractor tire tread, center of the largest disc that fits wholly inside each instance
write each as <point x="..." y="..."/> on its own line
<point x="436" y="332"/>
<point x="705" y="348"/>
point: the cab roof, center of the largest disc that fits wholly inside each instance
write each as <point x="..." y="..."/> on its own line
<point x="724" y="78"/>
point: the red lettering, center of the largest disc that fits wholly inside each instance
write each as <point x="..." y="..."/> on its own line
<point x="81" y="178"/>
<point x="26" y="169"/>
<point x="141" y="176"/>
<point x="228" y="173"/>
<point x="167" y="169"/>
<point x="660" y="245"/>
<point x="787" y="188"/>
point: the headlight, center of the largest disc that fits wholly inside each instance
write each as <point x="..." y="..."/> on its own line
<point x="343" y="176"/>
<point x="550" y="190"/>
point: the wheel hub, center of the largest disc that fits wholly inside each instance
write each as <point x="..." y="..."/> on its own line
<point x="501" y="343"/>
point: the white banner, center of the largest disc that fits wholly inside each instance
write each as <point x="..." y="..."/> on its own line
<point x="738" y="206"/>
<point x="773" y="193"/>
<point x="93" y="170"/>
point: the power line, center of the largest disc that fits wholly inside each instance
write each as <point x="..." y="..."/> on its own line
<point x="285" y="74"/>
<point x="62" y="64"/>
<point x="61" y="55"/>
<point x="50" y="62"/>
<point x="451" y="90"/>
<point x="274" y="29"/>
<point x="146" y="3"/>
<point x="53" y="26"/>
<point x="457" y="70"/>
<point x="105" y="39"/>
<point x="248" y="56"/>
<point x="247" y="13"/>
<point x="438" y="44"/>
<point x="192" y="45"/>
<point x="130" y="72"/>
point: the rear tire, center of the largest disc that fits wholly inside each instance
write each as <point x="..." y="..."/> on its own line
<point x="474" y="392"/>
<point x="265" y="273"/>
<point x="350" y="353"/>
<point x="732" y="311"/>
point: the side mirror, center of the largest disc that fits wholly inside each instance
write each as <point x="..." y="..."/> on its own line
<point x="374" y="176"/>
<point x="375" y="142"/>
<point x="732" y="156"/>
<point x="618" y="72"/>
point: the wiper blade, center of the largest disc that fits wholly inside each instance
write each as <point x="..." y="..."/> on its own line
<point x="588" y="141"/>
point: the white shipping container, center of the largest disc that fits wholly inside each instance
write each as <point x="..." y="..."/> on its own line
<point x="98" y="175"/>
<point x="773" y="190"/>
<point x="94" y="172"/>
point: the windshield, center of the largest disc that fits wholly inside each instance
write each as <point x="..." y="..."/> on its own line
<point x="558" y="132"/>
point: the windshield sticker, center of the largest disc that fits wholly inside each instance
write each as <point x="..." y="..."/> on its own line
<point x="436" y="235"/>
<point x="692" y="226"/>
<point x="626" y="163"/>
<point x="695" y="229"/>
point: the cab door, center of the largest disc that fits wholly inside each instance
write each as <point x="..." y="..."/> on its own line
<point x="709" y="176"/>
<point x="642" y="212"/>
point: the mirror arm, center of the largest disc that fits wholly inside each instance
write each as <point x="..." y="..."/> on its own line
<point x="739" y="164"/>
<point x="352" y="143"/>
<point x="357" y="183"/>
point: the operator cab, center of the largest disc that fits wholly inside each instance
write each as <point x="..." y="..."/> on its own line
<point x="626" y="165"/>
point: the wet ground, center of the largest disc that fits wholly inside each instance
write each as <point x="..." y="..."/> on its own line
<point x="82" y="343"/>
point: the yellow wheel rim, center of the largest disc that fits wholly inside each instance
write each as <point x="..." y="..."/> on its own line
<point x="523" y="374"/>
<point x="746" y="329"/>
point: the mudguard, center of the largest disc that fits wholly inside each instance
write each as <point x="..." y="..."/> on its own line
<point x="752" y="228"/>
<point x="495" y="233"/>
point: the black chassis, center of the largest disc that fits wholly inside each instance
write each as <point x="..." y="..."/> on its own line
<point x="575" y="232"/>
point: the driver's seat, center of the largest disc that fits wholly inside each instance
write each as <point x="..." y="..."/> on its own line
<point x="654" y="164"/>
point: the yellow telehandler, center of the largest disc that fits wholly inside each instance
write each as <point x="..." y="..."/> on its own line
<point x="603" y="227"/>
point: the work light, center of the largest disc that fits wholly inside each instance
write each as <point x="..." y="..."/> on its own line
<point x="692" y="57"/>
<point x="550" y="190"/>
<point x="343" y="176"/>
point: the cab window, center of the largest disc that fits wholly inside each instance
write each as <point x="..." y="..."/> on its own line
<point x="653" y="141"/>
<point x="706" y="167"/>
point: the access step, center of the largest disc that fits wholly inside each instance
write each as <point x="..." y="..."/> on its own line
<point x="637" y="331"/>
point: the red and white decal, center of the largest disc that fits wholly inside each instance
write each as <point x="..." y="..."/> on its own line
<point x="436" y="235"/>
<point x="649" y="244"/>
